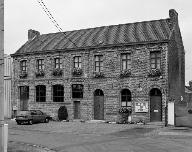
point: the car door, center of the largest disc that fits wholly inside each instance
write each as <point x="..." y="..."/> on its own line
<point x="40" y="115"/>
<point x="34" y="116"/>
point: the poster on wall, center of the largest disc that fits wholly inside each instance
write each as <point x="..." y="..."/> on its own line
<point x="141" y="107"/>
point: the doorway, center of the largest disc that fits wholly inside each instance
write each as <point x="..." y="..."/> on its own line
<point x="98" y="105"/>
<point x="77" y="110"/>
<point x="24" y="97"/>
<point x="155" y="105"/>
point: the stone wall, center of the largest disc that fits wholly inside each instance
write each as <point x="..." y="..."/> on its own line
<point x="139" y="83"/>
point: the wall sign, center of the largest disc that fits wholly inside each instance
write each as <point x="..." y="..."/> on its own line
<point x="141" y="107"/>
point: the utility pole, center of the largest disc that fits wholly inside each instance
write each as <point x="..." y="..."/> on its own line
<point x="2" y="149"/>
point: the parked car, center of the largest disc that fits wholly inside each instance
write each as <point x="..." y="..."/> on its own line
<point x="32" y="116"/>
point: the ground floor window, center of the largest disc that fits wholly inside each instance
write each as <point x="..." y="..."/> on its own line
<point x="40" y="93"/>
<point x="125" y="98"/>
<point x="58" y="93"/>
<point x="77" y="91"/>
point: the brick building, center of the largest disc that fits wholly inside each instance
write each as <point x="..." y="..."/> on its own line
<point x="136" y="65"/>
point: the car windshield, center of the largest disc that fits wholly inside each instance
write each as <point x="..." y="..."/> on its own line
<point x="23" y="112"/>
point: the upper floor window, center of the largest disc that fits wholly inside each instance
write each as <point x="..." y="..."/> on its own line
<point x="23" y="65"/>
<point x="77" y="61"/>
<point x="155" y="59"/>
<point x="98" y="63"/>
<point x="40" y="93"/>
<point x="126" y="61"/>
<point x="58" y="93"/>
<point x="57" y="63"/>
<point x="77" y="91"/>
<point x="40" y="64"/>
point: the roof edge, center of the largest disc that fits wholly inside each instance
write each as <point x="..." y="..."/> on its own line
<point x="92" y="47"/>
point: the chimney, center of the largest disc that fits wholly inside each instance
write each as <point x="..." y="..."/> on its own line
<point x="32" y="34"/>
<point x="173" y="16"/>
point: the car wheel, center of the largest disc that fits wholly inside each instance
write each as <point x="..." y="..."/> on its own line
<point x="46" y="120"/>
<point x="30" y="122"/>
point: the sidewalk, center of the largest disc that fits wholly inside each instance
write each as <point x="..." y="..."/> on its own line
<point x="25" y="147"/>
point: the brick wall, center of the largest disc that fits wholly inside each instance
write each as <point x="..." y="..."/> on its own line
<point x="111" y="84"/>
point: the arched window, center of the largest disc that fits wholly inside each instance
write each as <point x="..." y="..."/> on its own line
<point x="98" y="92"/>
<point x="40" y="93"/>
<point x="125" y="98"/>
<point x="155" y="92"/>
<point x="58" y="93"/>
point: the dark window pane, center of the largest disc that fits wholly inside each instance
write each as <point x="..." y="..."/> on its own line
<point x="77" y="91"/>
<point x="125" y="98"/>
<point x="126" y="61"/>
<point x="155" y="58"/>
<point x="40" y="93"/>
<point x="23" y="65"/>
<point x="98" y="63"/>
<point x="58" y="93"/>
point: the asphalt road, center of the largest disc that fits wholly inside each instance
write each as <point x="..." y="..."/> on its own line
<point x="93" y="137"/>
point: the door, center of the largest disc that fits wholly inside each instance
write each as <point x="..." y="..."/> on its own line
<point x="40" y="116"/>
<point x="98" y="105"/>
<point x="76" y="109"/>
<point x="24" y="97"/>
<point x="155" y="106"/>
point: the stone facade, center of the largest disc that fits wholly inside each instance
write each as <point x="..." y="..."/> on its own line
<point x="138" y="82"/>
<point x="111" y="84"/>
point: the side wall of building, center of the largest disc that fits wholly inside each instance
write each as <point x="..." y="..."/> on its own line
<point x="176" y="61"/>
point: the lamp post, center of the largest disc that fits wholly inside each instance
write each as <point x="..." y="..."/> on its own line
<point x="2" y="149"/>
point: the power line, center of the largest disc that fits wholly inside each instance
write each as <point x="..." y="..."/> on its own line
<point x="48" y="13"/>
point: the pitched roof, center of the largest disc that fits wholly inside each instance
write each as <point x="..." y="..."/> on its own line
<point x="131" y="33"/>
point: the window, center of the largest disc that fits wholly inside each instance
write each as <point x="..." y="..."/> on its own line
<point x="58" y="93"/>
<point x="77" y="91"/>
<point x="155" y="58"/>
<point x="126" y="61"/>
<point x="77" y="62"/>
<point x="125" y="98"/>
<point x="40" y="64"/>
<point x="39" y="112"/>
<point x="98" y="63"/>
<point x="57" y="62"/>
<point x="23" y="65"/>
<point x="40" y="93"/>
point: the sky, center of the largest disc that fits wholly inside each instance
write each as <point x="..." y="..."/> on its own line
<point x="22" y="15"/>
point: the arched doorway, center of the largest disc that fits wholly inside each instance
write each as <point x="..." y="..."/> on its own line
<point x="155" y="105"/>
<point x="98" y="105"/>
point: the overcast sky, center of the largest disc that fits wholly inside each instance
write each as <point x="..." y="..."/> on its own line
<point x="22" y="15"/>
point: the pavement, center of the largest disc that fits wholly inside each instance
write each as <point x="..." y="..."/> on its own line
<point x="83" y="131"/>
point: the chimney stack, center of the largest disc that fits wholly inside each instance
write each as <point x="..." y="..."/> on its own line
<point x="32" y="34"/>
<point x="173" y="15"/>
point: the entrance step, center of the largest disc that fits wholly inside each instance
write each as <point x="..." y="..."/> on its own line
<point x="96" y="121"/>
